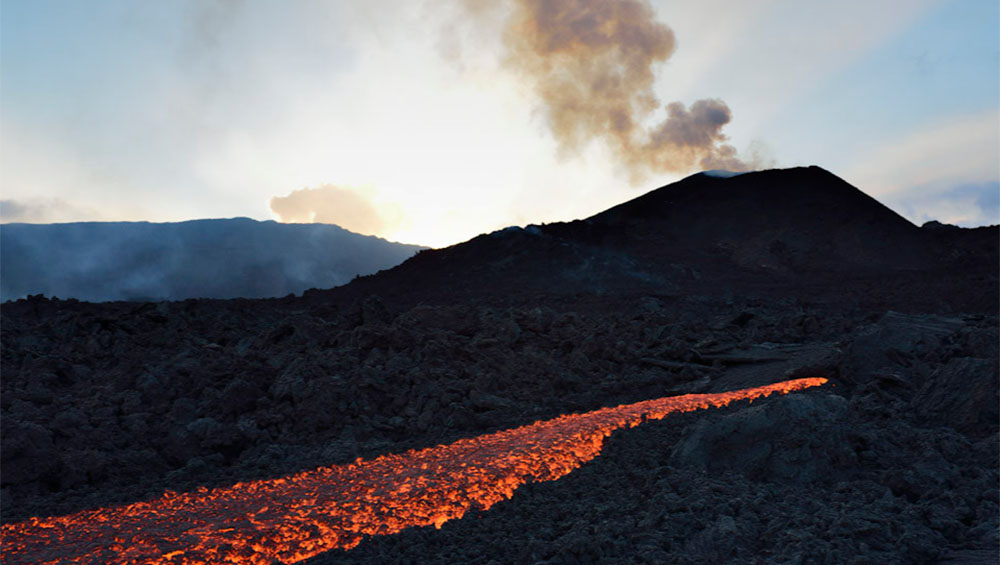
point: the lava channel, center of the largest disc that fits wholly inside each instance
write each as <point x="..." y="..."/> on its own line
<point x="296" y="517"/>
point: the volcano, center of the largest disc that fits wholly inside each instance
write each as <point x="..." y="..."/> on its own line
<point x="714" y="284"/>
<point x="795" y="220"/>
<point x="777" y="232"/>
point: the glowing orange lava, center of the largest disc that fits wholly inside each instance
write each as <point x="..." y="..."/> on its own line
<point x="299" y="516"/>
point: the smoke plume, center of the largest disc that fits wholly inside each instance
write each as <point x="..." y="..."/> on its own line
<point x="329" y="204"/>
<point x="591" y="63"/>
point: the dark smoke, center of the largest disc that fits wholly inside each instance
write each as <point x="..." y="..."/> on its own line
<point x="690" y="136"/>
<point x="591" y="63"/>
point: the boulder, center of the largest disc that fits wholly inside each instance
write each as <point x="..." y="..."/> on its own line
<point x="962" y="394"/>
<point x="796" y="438"/>
<point x="28" y="452"/>
<point x="896" y="340"/>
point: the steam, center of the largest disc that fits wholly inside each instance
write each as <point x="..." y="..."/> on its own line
<point x="233" y="258"/>
<point x="329" y="204"/>
<point x="43" y="210"/>
<point x="591" y="64"/>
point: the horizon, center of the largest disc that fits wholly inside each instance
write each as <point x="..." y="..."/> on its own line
<point x="432" y="123"/>
<point x="720" y="173"/>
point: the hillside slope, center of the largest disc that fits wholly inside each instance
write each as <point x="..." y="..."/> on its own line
<point x="225" y="258"/>
<point x="772" y="233"/>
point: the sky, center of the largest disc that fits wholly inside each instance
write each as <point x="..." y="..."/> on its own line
<point x="432" y="122"/>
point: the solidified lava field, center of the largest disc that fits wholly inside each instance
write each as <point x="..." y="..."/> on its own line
<point x="292" y="518"/>
<point x="894" y="460"/>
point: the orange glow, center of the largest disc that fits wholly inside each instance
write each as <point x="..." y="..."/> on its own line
<point x="293" y="518"/>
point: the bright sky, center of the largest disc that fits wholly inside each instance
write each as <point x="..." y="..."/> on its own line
<point x="410" y="120"/>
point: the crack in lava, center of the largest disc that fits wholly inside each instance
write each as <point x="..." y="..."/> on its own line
<point x="293" y="518"/>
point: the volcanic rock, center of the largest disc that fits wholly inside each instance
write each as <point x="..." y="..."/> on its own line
<point x="29" y="454"/>
<point x="801" y="438"/>
<point x="896" y="340"/>
<point x="963" y="394"/>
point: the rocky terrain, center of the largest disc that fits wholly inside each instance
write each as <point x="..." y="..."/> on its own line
<point x="894" y="461"/>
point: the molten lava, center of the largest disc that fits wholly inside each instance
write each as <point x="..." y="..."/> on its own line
<point x="296" y="517"/>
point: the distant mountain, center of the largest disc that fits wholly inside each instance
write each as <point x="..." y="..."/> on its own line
<point x="775" y="232"/>
<point x="221" y="258"/>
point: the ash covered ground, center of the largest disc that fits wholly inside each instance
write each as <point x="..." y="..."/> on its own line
<point x="896" y="460"/>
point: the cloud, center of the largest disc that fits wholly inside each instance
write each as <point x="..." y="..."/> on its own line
<point x="946" y="171"/>
<point x="329" y="204"/>
<point x="967" y="205"/>
<point x="43" y="211"/>
<point x="591" y="64"/>
<point x="945" y="153"/>
<point x="767" y="55"/>
<point x="980" y="204"/>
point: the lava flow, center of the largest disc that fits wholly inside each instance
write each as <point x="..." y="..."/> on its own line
<point x="293" y="518"/>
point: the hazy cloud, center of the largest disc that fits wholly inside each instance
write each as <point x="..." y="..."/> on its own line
<point x="945" y="171"/>
<point x="959" y="150"/>
<point x="591" y="63"/>
<point x="43" y="210"/>
<point x="967" y="205"/>
<point x="329" y="204"/>
<point x="210" y="19"/>
<point x="230" y="258"/>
